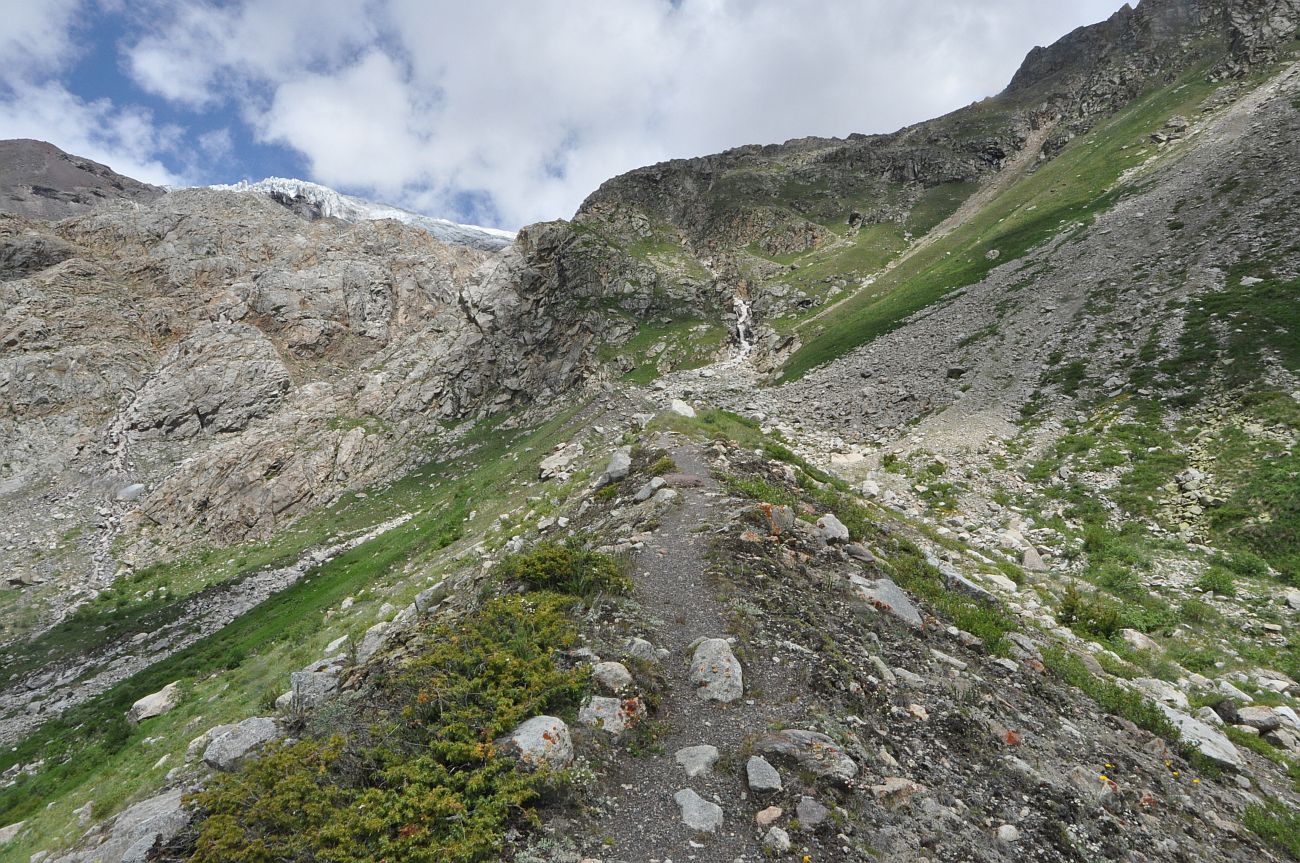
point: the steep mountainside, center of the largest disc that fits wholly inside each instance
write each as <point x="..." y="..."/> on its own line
<point x="926" y="496"/>
<point x="40" y="181"/>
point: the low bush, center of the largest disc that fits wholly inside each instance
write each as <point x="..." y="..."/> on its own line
<point x="411" y="774"/>
<point x="565" y="568"/>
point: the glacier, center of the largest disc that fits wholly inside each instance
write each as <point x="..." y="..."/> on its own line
<point x="325" y="202"/>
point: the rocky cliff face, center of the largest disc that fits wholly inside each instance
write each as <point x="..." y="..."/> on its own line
<point x="40" y="181"/>
<point x="241" y="367"/>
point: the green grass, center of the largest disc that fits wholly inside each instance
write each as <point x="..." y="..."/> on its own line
<point x="92" y="753"/>
<point x="1276" y="823"/>
<point x="1110" y="697"/>
<point x="690" y="343"/>
<point x="1071" y="188"/>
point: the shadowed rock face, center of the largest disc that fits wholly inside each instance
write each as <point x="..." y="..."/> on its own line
<point x="40" y="181"/>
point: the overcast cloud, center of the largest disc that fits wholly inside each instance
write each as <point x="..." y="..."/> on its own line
<point x="504" y="113"/>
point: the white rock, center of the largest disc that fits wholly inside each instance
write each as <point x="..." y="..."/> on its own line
<point x="8" y="833"/>
<point x="1008" y="833"/>
<point x="832" y="529"/>
<point x="761" y="776"/>
<point x="1138" y="640"/>
<point x="155" y="704"/>
<point x="681" y="408"/>
<point x="1162" y="691"/>
<point x="716" y="672"/>
<point x="612" y="677"/>
<point x="1208" y="740"/>
<point x="777" y="839"/>
<point x="697" y="760"/>
<point x="228" y="750"/>
<point x="614" y="715"/>
<point x="542" y="741"/>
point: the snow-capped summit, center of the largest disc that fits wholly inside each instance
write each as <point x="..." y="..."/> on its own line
<point x="323" y="202"/>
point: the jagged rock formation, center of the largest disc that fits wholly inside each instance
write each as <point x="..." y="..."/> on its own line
<point x="40" y="181"/>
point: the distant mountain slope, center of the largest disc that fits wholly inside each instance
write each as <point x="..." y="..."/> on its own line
<point x="40" y="181"/>
<point x="315" y="201"/>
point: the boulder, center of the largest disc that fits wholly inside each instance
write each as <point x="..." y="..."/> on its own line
<point x="810" y="750"/>
<point x="1161" y="691"/>
<point x="542" y="741"/>
<point x="699" y="814"/>
<point x="1209" y="741"/>
<point x="155" y="704"/>
<point x="810" y="813"/>
<point x="681" y="408"/>
<point x="715" y="671"/>
<point x="620" y="464"/>
<point x="10" y="831"/>
<point x="310" y="688"/>
<point x="1138" y="640"/>
<point x="1262" y="718"/>
<point x="372" y="641"/>
<point x="777" y="840"/>
<point x="832" y="529"/>
<point x="228" y="750"/>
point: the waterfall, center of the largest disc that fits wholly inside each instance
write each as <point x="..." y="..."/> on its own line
<point x="744" y="334"/>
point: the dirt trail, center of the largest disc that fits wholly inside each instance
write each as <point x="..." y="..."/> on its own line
<point x="682" y="604"/>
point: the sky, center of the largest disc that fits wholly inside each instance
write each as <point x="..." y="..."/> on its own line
<point x="501" y="113"/>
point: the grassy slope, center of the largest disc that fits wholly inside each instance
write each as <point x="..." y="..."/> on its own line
<point x="1071" y="188"/>
<point x="93" y="754"/>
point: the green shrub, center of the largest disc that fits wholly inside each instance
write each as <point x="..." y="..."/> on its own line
<point x="1094" y="615"/>
<point x="1218" y="580"/>
<point x="565" y="568"/>
<point x="415" y="777"/>
<point x="662" y="465"/>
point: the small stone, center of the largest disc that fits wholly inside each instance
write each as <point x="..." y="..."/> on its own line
<point x="697" y="760"/>
<point x="809" y="812"/>
<point x="698" y="814"/>
<point x="768" y="816"/>
<point x="777" y="840"/>
<point x="1138" y="640"/>
<point x="761" y="775"/>
<point x="1008" y="833"/>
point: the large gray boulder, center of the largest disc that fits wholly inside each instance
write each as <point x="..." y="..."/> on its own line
<point x="883" y="595"/>
<point x="715" y="671"/>
<point x="136" y="831"/>
<point x="1208" y="740"/>
<point x="229" y="749"/>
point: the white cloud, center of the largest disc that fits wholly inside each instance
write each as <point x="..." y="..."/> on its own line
<point x="528" y="106"/>
<point x="35" y="37"/>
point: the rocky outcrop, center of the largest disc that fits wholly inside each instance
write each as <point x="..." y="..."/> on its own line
<point x="40" y="181"/>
